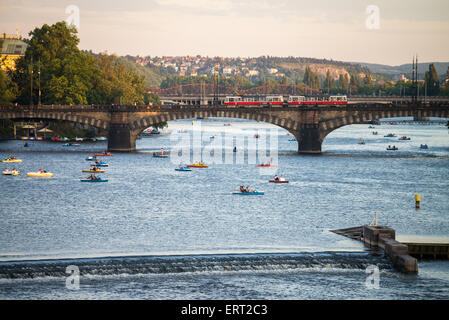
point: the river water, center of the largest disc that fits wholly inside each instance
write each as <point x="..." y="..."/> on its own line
<point x="151" y="232"/>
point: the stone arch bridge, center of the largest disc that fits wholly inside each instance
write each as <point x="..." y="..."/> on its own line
<point x="309" y="124"/>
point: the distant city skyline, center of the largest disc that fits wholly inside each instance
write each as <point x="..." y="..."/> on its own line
<point x="349" y="31"/>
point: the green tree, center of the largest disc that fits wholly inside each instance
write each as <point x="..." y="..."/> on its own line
<point x="66" y="73"/>
<point x="431" y="81"/>
<point x="7" y="89"/>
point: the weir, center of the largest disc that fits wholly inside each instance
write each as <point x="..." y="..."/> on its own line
<point x="403" y="255"/>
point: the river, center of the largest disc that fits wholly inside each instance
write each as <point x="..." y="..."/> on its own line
<point x="151" y="232"/>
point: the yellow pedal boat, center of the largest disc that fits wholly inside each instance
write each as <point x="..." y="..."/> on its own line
<point x="40" y="175"/>
<point x="12" y="160"/>
<point x="94" y="171"/>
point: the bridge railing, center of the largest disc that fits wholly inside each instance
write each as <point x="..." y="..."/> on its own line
<point x="180" y="107"/>
<point x="79" y="108"/>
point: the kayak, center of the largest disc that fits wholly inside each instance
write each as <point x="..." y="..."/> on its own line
<point x="90" y="158"/>
<point x="71" y="144"/>
<point x="255" y="193"/>
<point x="11" y="173"/>
<point x="12" y="160"/>
<point x="196" y="165"/>
<point x="93" y="171"/>
<point x="41" y="175"/>
<point x="183" y="169"/>
<point x="268" y="165"/>
<point x="93" y="180"/>
<point x="278" y="181"/>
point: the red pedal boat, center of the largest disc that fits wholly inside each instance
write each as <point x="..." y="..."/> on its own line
<point x="278" y="181"/>
<point x="105" y="154"/>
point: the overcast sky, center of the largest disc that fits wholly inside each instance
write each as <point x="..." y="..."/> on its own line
<point x="335" y="30"/>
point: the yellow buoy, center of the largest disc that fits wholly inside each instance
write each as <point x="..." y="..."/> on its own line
<point x="417" y="200"/>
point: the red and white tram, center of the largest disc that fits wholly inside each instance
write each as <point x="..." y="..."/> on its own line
<point x="279" y="100"/>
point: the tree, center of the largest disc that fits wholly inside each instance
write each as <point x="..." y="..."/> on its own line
<point x="7" y="89"/>
<point x="329" y="82"/>
<point x="66" y="72"/>
<point x="432" y="82"/>
<point x="70" y="76"/>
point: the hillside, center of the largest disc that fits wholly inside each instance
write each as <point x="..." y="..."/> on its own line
<point x="397" y="71"/>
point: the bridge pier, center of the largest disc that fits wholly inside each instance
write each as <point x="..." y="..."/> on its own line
<point x="121" y="138"/>
<point x="309" y="141"/>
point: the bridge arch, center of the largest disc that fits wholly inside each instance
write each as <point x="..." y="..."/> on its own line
<point x="145" y="122"/>
<point x="63" y="116"/>
<point x="327" y="126"/>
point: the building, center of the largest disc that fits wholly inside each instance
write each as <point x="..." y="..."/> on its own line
<point x="12" y="48"/>
<point x="252" y="73"/>
<point x="227" y="70"/>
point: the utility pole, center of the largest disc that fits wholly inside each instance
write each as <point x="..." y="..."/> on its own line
<point x="39" y="82"/>
<point x="31" y="82"/>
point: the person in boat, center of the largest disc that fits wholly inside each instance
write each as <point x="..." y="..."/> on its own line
<point x="247" y="189"/>
<point x="42" y="171"/>
<point x="281" y="178"/>
<point x="252" y="190"/>
<point x="276" y="178"/>
<point x="6" y="170"/>
<point x="14" y="170"/>
<point x="242" y="189"/>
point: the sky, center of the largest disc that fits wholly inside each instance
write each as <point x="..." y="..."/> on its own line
<point x="375" y="31"/>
